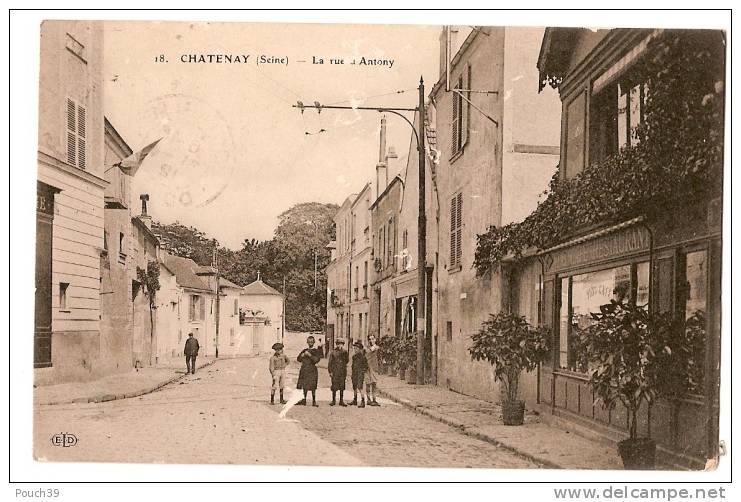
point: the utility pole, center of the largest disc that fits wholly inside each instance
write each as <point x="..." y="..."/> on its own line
<point x="215" y="264"/>
<point x="421" y="240"/>
<point x="315" y="267"/>
<point x="283" y="317"/>
<point x="422" y="324"/>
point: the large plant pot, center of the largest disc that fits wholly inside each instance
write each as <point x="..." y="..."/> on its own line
<point x="513" y="412"/>
<point x="638" y="454"/>
<point x="391" y="371"/>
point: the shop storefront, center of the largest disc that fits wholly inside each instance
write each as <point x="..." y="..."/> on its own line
<point x="669" y="263"/>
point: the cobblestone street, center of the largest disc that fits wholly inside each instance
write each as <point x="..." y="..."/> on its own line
<point x="222" y="415"/>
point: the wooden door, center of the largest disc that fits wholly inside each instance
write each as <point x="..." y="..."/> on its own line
<point x="43" y="317"/>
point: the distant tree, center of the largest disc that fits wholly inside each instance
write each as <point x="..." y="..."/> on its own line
<point x="301" y="237"/>
<point x="303" y="232"/>
<point x="187" y="242"/>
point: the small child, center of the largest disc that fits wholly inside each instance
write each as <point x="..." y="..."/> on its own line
<point x="337" y="366"/>
<point x="278" y="363"/>
<point x="359" y="367"/>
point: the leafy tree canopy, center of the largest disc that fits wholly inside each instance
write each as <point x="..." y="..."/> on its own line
<point x="299" y="240"/>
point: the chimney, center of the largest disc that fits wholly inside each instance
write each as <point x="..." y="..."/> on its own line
<point x="448" y="39"/>
<point x="391" y="167"/>
<point x="144" y="217"/>
<point x="381" y="167"/>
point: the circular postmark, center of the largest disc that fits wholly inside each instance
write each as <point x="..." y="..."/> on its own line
<point x="194" y="161"/>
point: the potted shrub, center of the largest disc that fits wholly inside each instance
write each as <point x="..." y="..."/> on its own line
<point x="410" y="355"/>
<point x="401" y="360"/>
<point x="406" y="356"/>
<point x="627" y="352"/>
<point x="510" y="345"/>
<point x="386" y="354"/>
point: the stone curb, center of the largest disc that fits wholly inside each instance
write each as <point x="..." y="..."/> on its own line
<point x="102" y="398"/>
<point x="472" y="431"/>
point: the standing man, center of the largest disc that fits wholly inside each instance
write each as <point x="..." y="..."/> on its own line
<point x="337" y="366"/>
<point x="191" y="352"/>
<point x="308" y="375"/>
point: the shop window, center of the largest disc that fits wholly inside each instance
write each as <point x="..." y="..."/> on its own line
<point x="694" y="304"/>
<point x="575" y="116"/>
<point x="563" y="318"/>
<point x="583" y="294"/>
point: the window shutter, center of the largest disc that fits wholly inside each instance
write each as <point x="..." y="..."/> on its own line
<point x="202" y="304"/>
<point x="465" y="107"/>
<point x="456" y="122"/>
<point x="453" y="239"/>
<point x="192" y="309"/>
<point x="236" y="306"/>
<point x="81" y="141"/>
<point x="459" y="227"/>
<point x="71" y="133"/>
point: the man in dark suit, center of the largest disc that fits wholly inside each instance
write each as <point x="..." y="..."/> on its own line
<point x="191" y="352"/>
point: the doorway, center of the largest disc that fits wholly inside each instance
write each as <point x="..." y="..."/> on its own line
<point x="43" y="308"/>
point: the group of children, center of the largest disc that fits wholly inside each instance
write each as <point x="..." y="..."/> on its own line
<point x="364" y="372"/>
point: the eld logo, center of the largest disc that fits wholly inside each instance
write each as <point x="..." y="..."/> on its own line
<point x="64" y="439"/>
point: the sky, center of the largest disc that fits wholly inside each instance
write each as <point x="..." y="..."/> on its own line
<point x="234" y="153"/>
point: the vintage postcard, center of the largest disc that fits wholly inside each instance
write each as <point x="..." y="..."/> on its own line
<point x="379" y="245"/>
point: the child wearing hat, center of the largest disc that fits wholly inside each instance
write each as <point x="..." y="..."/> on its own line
<point x="337" y="366"/>
<point x="359" y="367"/>
<point x="278" y="363"/>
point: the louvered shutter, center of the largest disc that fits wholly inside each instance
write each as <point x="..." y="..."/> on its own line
<point x="456" y="122"/>
<point x="192" y="309"/>
<point x="81" y="140"/>
<point x="465" y="107"/>
<point x="202" y="304"/>
<point x="71" y="133"/>
<point x="459" y="227"/>
<point x="453" y="239"/>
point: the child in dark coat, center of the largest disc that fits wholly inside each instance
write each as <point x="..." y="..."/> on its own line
<point x="308" y="375"/>
<point x="359" y="367"/>
<point x="337" y="366"/>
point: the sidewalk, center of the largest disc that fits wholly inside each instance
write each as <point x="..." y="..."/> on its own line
<point x="549" y="446"/>
<point x="112" y="387"/>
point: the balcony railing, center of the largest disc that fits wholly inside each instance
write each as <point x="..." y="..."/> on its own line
<point x="338" y="297"/>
